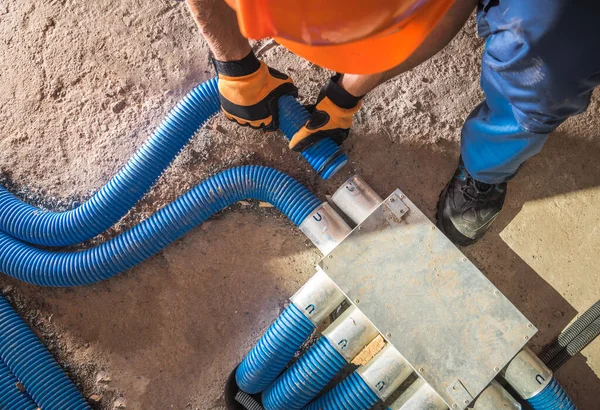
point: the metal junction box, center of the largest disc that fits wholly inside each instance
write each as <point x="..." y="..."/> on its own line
<point x="450" y="323"/>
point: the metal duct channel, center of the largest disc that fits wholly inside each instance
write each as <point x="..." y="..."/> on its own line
<point x="385" y="372"/>
<point x="527" y="374"/>
<point x="341" y="342"/>
<point x="419" y="396"/>
<point x="325" y="228"/>
<point x="350" y="333"/>
<point x="495" y="397"/>
<point x="356" y="199"/>
<point x="318" y="297"/>
<point x="376" y="380"/>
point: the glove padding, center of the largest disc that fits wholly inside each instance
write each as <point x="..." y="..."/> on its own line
<point x="249" y="89"/>
<point x="331" y="117"/>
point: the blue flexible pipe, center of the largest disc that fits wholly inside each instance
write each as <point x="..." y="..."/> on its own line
<point x="33" y="365"/>
<point x="326" y="157"/>
<point x="46" y="268"/>
<point x="351" y="394"/>
<point x="274" y="350"/>
<point x="117" y="197"/>
<point x="553" y="397"/>
<point x="295" y="388"/>
<point x="11" y="398"/>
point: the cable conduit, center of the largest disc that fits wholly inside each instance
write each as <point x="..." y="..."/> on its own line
<point x="247" y="401"/>
<point x="575" y="346"/>
<point x="46" y="268"/>
<point x="33" y="365"/>
<point x="351" y="394"/>
<point x="305" y="379"/>
<point x="274" y="350"/>
<point x="553" y="397"/>
<point x="11" y="398"/>
<point x="117" y="197"/>
<point x="569" y="334"/>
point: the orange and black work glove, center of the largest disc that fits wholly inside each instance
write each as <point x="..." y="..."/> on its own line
<point x="249" y="89"/>
<point x="331" y="117"/>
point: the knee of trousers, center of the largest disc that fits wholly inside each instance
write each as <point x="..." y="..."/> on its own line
<point x="547" y="72"/>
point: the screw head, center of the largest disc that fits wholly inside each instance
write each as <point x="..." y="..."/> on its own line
<point x="330" y="256"/>
<point x="392" y="199"/>
<point x="357" y="301"/>
<point x="325" y="267"/>
<point x="421" y="370"/>
<point x="466" y="401"/>
<point x="388" y="334"/>
<point x="496" y="369"/>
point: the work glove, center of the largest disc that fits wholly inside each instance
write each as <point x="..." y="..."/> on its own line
<point x="249" y="89"/>
<point x="331" y="117"/>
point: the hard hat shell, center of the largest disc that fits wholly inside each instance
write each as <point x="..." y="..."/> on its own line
<point x="349" y="36"/>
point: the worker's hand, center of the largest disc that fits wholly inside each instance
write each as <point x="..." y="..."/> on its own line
<point x="331" y="117"/>
<point x="249" y="90"/>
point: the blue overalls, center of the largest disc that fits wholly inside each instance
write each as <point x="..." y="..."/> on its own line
<point x="540" y="65"/>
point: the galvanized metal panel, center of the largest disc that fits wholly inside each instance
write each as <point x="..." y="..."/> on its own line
<point x="452" y="325"/>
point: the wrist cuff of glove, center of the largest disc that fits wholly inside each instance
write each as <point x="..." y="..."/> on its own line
<point x="338" y="95"/>
<point x="238" y="68"/>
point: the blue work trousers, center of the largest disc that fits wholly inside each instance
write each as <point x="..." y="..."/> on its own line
<point x="540" y="65"/>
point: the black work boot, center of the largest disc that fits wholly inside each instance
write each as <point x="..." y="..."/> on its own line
<point x="468" y="207"/>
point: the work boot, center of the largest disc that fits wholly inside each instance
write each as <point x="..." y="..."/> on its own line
<point x="467" y="207"/>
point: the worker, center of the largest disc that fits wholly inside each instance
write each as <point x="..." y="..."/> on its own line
<point x="540" y="65"/>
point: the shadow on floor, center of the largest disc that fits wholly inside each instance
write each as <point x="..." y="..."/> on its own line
<point x="160" y="328"/>
<point x="566" y="164"/>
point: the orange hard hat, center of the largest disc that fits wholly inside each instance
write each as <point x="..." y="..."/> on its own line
<point x="348" y="36"/>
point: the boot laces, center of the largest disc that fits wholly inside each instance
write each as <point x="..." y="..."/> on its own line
<point x="476" y="191"/>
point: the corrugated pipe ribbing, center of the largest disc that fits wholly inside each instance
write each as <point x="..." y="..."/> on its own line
<point x="295" y="388"/>
<point x="117" y="197"/>
<point x="33" y="365"/>
<point x="11" y="397"/>
<point x="46" y="268"/>
<point x="274" y="350"/>
<point x="351" y="394"/>
<point x="553" y="397"/>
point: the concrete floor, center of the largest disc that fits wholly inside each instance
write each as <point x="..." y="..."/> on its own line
<point x="83" y="84"/>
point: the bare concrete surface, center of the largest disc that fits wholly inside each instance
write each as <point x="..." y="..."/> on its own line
<point x="84" y="83"/>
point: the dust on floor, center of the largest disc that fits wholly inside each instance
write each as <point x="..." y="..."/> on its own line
<point x="83" y="85"/>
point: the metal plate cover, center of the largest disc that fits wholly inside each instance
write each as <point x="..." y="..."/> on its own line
<point x="452" y="325"/>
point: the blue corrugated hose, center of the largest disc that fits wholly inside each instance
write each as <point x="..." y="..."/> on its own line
<point x="11" y="397"/>
<point x="118" y="196"/>
<point x="113" y="200"/>
<point x="295" y="388"/>
<point x="274" y="350"/>
<point x="326" y="157"/>
<point x="33" y="365"/>
<point x="553" y="397"/>
<point x="46" y="268"/>
<point x="351" y="394"/>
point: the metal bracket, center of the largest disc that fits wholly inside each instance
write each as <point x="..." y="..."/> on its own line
<point x="395" y="204"/>
<point x="459" y="393"/>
